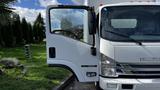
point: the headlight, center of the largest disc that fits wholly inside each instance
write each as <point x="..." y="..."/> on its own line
<point x="108" y="67"/>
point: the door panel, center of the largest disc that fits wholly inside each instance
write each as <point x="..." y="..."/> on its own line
<point x="67" y="32"/>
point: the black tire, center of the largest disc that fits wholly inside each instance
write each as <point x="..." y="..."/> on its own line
<point x="98" y="86"/>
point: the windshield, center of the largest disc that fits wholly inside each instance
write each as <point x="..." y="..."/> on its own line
<point x="140" y="23"/>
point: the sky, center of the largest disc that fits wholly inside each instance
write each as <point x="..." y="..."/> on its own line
<point x="31" y="8"/>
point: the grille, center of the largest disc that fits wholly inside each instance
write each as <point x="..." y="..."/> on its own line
<point x="135" y="69"/>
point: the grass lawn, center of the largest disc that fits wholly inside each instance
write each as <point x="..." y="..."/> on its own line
<point x="38" y="77"/>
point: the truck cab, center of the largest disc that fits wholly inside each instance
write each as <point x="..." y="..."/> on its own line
<point x="116" y="44"/>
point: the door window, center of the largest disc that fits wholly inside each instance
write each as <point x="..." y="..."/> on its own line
<point x="69" y="23"/>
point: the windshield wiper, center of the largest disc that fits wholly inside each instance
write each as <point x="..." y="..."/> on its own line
<point x="119" y="34"/>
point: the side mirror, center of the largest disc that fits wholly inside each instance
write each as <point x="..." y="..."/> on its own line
<point x="92" y="22"/>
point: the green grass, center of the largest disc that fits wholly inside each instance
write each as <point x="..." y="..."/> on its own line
<point x="39" y="76"/>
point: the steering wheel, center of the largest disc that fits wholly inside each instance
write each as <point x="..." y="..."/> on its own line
<point x="66" y="33"/>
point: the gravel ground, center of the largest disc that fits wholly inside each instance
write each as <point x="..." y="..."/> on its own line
<point x="81" y="86"/>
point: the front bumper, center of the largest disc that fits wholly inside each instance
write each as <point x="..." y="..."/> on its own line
<point x="129" y="84"/>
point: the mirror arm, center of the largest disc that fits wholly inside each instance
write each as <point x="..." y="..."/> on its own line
<point x="92" y="21"/>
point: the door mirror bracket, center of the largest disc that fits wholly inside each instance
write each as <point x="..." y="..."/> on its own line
<point x="93" y="51"/>
<point x="92" y="28"/>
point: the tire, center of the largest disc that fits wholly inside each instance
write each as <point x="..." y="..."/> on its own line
<point x="98" y="86"/>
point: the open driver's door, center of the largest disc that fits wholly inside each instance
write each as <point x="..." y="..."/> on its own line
<point x="69" y="41"/>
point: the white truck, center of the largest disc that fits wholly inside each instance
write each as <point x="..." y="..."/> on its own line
<point x="116" y="44"/>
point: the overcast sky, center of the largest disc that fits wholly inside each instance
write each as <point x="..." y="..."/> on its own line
<point x="31" y="8"/>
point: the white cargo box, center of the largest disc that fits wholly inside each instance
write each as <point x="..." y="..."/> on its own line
<point x="97" y="3"/>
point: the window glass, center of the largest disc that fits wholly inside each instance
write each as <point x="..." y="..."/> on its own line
<point x="128" y="23"/>
<point x="123" y="23"/>
<point x="68" y="22"/>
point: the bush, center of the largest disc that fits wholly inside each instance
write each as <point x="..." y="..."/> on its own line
<point x="9" y="62"/>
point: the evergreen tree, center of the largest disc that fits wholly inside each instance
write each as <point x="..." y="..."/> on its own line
<point x="8" y="37"/>
<point x="1" y="38"/>
<point x="17" y="30"/>
<point x="5" y="11"/>
<point x="5" y="18"/>
<point x="35" y="34"/>
<point x="30" y="33"/>
<point x="24" y="25"/>
<point x="39" y="29"/>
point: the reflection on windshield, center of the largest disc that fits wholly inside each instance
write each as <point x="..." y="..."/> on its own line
<point x="140" y="23"/>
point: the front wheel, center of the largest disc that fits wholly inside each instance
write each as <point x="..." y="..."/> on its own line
<point x="98" y="86"/>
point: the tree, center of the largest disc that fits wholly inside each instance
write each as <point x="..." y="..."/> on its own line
<point x="1" y="38"/>
<point x="30" y="33"/>
<point x="5" y="17"/>
<point x="5" y="11"/>
<point x="8" y="36"/>
<point x="39" y="29"/>
<point x="25" y="33"/>
<point x="17" y="30"/>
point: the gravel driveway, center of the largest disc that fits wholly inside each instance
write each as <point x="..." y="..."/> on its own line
<point x="81" y="86"/>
